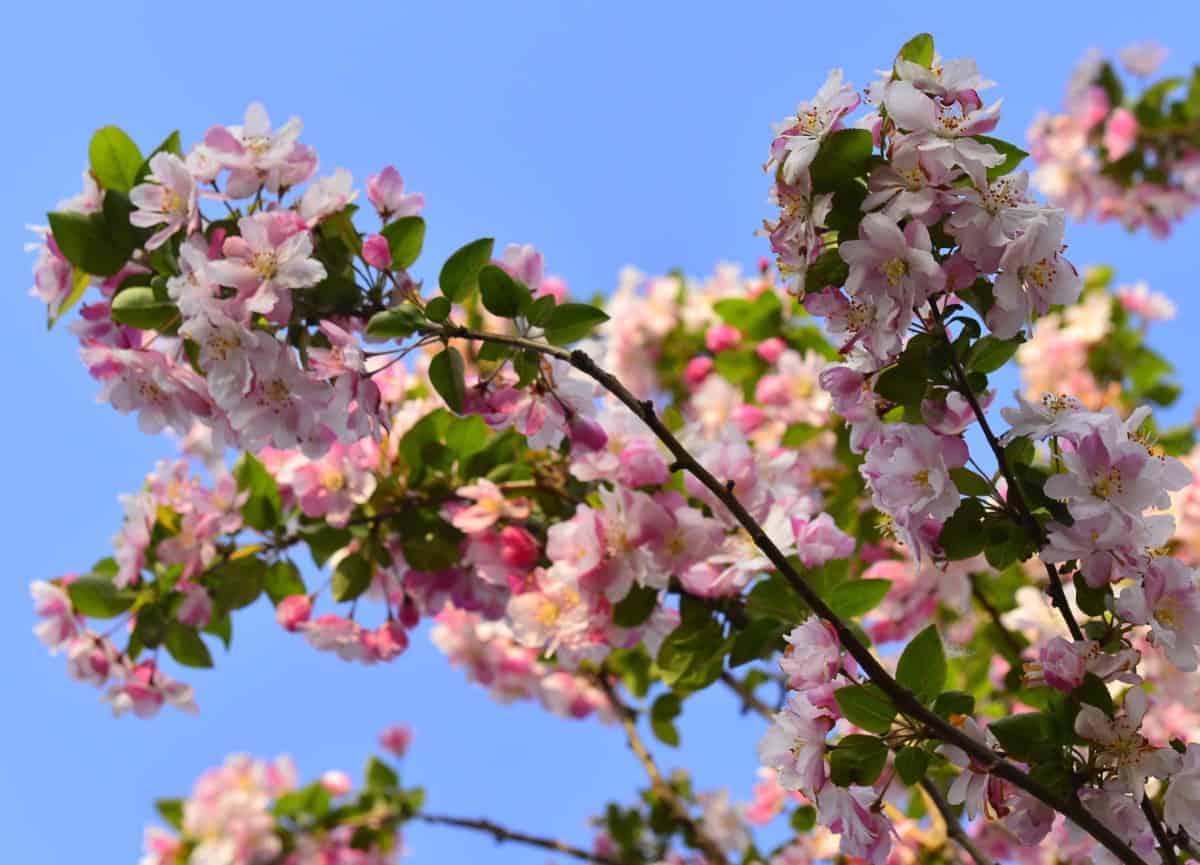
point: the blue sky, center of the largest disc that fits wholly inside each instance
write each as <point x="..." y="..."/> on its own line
<point x="607" y="134"/>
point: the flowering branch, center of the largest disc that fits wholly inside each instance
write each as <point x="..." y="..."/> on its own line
<point x="953" y="828"/>
<point x="903" y="699"/>
<point x="502" y="834"/>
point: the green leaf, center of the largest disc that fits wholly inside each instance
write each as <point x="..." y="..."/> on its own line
<point x="438" y="309"/>
<point x="501" y="294"/>
<point x="635" y="608"/>
<point x="351" y="578"/>
<point x="843" y="156"/>
<point x="911" y="764"/>
<point x="962" y="535"/>
<point x="283" y="580"/>
<point x="137" y="306"/>
<point x="969" y="483"/>
<point x="692" y="656"/>
<point x="446" y="372"/>
<point x="114" y="158"/>
<point x="803" y="818"/>
<point x="922" y="666"/>
<point x="989" y="353"/>
<point x="539" y="311"/>
<point x="828" y="269"/>
<point x="380" y="776"/>
<point x="757" y="640"/>
<point x="324" y="541"/>
<point x="397" y="323"/>
<point x="171" y="810"/>
<point x="857" y="760"/>
<point x="88" y="243"/>
<point x="1028" y="736"/>
<point x="900" y="385"/>
<point x="918" y="50"/>
<point x="1013" y="156"/>
<point x="264" y="506"/>
<point x="757" y="319"/>
<point x="663" y="712"/>
<point x="79" y="283"/>
<point x="773" y="597"/>
<point x="569" y="322"/>
<point x="238" y="582"/>
<point x="405" y="237"/>
<point x="1094" y="692"/>
<point x="186" y="647"/>
<point x="954" y="703"/>
<point x="171" y="144"/>
<point x="99" y="598"/>
<point x="866" y="706"/>
<point x="460" y="273"/>
<point x="858" y="596"/>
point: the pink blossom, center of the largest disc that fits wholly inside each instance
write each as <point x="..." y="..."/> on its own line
<point x="385" y="191"/>
<point x="167" y="198"/>
<point x="1121" y="748"/>
<point x="197" y="607"/>
<point x="143" y="691"/>
<point x="697" y="369"/>
<point x="59" y="625"/>
<point x="336" y="783"/>
<point x="944" y="136"/>
<point x="396" y="739"/>
<point x="813" y="655"/>
<point x="266" y="262"/>
<point x="770" y="349"/>
<point x="91" y="659"/>
<point x="1033" y="277"/>
<point x="797" y="138"/>
<point x="1143" y="58"/>
<point x="794" y="745"/>
<point x="293" y="612"/>
<point x="1181" y="805"/>
<point x="1063" y="664"/>
<point x="1140" y="300"/>
<point x="819" y="540"/>
<point x="490" y="505"/>
<point x="52" y="276"/>
<point x="325" y="197"/>
<point x="518" y="548"/>
<point x="1169" y="601"/>
<point x="722" y="337"/>
<point x="376" y="252"/>
<point x="1120" y="133"/>
<point x="865" y="832"/>
<point x="256" y="156"/>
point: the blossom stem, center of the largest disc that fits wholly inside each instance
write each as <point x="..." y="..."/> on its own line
<point x="628" y="718"/>
<point x="953" y="828"/>
<point x="502" y="834"/>
<point x="904" y="700"/>
<point x="1015" y="494"/>
<point x="1036" y="533"/>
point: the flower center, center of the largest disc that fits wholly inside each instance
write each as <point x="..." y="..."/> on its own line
<point x="894" y="270"/>
<point x="265" y="266"/>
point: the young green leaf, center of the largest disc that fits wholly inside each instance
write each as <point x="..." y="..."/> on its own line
<point x="186" y="647"/>
<point x="569" y="322"/>
<point x="460" y="273"/>
<point x="99" y="598"/>
<point x="866" y="706"/>
<point x="858" y="596"/>
<point x="922" y="666"/>
<point x="137" y="306"/>
<point x="501" y="294"/>
<point x="446" y="372"/>
<point x="405" y="237"/>
<point x="115" y="159"/>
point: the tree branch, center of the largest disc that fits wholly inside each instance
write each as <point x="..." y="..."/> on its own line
<point x="628" y="718"/>
<point x="502" y="834"/>
<point x="904" y="700"/>
<point x="953" y="828"/>
<point x="1034" y="528"/>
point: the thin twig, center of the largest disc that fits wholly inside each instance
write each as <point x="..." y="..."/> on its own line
<point x="502" y="834"/>
<point x="1034" y="528"/>
<point x="628" y="718"/>
<point x="747" y="696"/>
<point x="903" y="699"/>
<point x="984" y="601"/>
<point x="953" y="828"/>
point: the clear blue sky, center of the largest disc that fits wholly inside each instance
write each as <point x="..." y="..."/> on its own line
<point x="607" y="134"/>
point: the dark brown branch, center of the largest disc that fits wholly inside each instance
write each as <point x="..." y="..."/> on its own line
<point x="628" y="718"/>
<point x="953" y="828"/>
<point x="502" y="834"/>
<point x="903" y="699"/>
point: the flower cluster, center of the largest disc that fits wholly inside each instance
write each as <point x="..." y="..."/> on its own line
<point x="1135" y="160"/>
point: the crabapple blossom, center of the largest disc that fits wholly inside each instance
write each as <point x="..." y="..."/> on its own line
<point x="168" y="199"/>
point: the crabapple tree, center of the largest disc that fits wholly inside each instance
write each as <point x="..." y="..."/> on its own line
<point x="968" y="640"/>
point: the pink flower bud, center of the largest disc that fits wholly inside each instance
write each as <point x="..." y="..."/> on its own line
<point x="586" y="433"/>
<point x="196" y="609"/>
<point x="410" y="615"/>
<point x="396" y="739"/>
<point x="1062" y="665"/>
<point x="518" y="548"/>
<point x="642" y="464"/>
<point x="386" y="642"/>
<point x="1120" y="133"/>
<point x="376" y="251"/>
<point x="293" y="611"/>
<point x="770" y="349"/>
<point x="721" y="337"/>
<point x="748" y="418"/>
<point x="336" y="783"/>
<point x="697" y="370"/>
